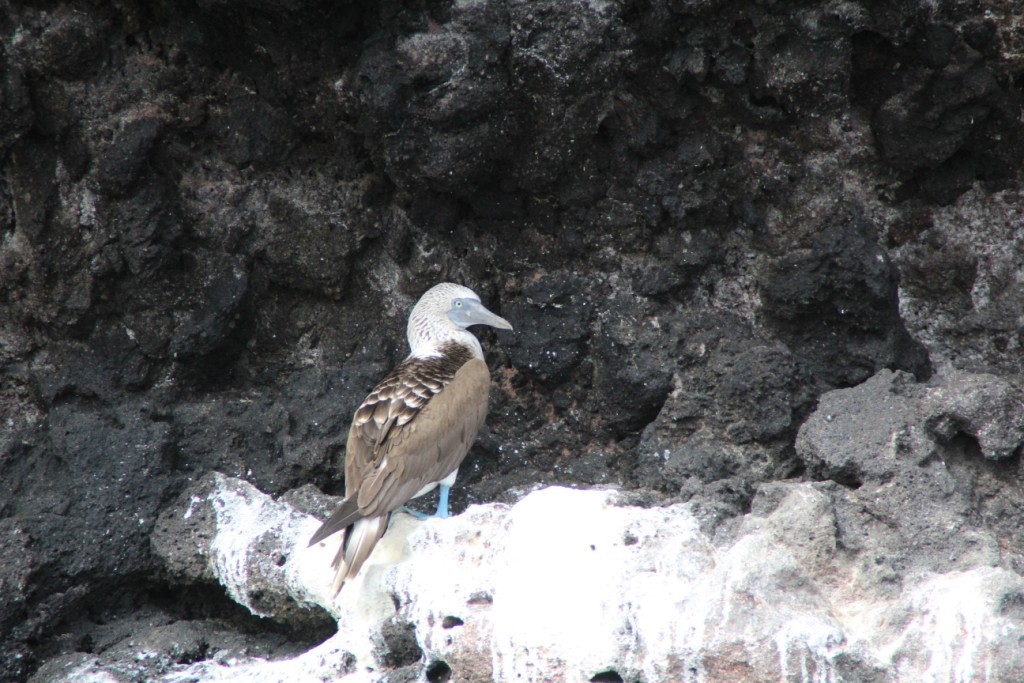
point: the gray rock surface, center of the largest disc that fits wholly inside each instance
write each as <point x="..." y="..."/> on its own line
<point x="703" y="218"/>
<point x="921" y="494"/>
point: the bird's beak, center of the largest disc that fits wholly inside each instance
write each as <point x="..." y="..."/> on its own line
<point x="473" y="313"/>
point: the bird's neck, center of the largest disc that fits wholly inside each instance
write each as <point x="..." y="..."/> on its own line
<point x="434" y="346"/>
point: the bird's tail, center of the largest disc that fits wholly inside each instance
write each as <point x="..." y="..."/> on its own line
<point x="358" y="543"/>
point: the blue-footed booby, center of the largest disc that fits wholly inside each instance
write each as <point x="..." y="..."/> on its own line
<point x="413" y="430"/>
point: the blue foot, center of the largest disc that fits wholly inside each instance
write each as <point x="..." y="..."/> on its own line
<point x="415" y="513"/>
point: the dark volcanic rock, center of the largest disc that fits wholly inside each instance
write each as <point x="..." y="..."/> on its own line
<point x="555" y="340"/>
<point x="700" y="217"/>
<point x="941" y="113"/>
<point x="839" y="283"/>
<point x="727" y="423"/>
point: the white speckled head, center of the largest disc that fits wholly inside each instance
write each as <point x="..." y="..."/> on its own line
<point x="443" y="314"/>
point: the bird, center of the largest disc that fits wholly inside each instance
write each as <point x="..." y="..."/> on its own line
<point x="413" y="430"/>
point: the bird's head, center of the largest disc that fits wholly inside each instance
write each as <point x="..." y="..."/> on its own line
<point x="444" y="313"/>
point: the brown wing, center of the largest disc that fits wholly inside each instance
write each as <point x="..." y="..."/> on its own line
<point x="378" y="426"/>
<point x="418" y="448"/>
<point x="394" y="402"/>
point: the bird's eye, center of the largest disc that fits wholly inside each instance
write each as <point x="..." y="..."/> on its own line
<point x="459" y="304"/>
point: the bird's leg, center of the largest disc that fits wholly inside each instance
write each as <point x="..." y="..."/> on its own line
<point x="442" y="505"/>
<point x="442" y="501"/>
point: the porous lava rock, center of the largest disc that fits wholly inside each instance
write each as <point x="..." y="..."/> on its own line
<point x="701" y="218"/>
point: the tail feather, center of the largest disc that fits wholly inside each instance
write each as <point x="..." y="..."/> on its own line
<point x="358" y="543"/>
<point x="345" y="515"/>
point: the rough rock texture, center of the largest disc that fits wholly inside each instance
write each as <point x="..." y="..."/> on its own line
<point x="701" y="217"/>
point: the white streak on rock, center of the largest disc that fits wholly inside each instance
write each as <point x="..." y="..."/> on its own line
<point x="243" y="514"/>
<point x="566" y="584"/>
<point x="954" y="625"/>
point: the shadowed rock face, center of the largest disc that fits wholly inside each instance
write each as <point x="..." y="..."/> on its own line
<point x="701" y="217"/>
